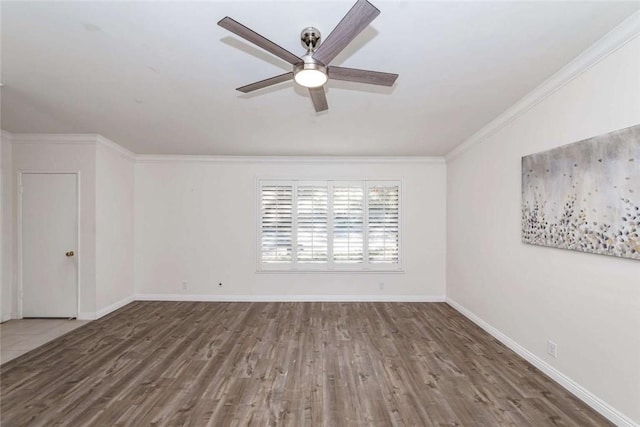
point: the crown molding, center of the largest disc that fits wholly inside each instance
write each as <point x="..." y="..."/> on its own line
<point x="628" y="30"/>
<point x="71" y="138"/>
<point x="145" y="158"/>
<point x="60" y="138"/>
<point x="116" y="147"/>
<point x="54" y="138"/>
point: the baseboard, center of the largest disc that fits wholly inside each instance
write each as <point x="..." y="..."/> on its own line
<point x="113" y="307"/>
<point x="5" y="317"/>
<point x="87" y="315"/>
<point x="289" y="298"/>
<point x="576" y="389"/>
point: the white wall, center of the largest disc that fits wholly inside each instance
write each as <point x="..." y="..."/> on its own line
<point x="6" y="183"/>
<point x="34" y="153"/>
<point x="114" y="227"/>
<point x="588" y="304"/>
<point x="196" y="221"/>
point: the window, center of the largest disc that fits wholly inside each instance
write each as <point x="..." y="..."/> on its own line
<point x="329" y="225"/>
<point x="348" y="223"/>
<point x="277" y="223"/>
<point x="312" y="223"/>
<point x="383" y="224"/>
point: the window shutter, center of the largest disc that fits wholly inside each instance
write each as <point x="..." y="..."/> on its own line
<point x="348" y="223"/>
<point x="383" y="225"/>
<point x="312" y="225"/>
<point x="276" y="222"/>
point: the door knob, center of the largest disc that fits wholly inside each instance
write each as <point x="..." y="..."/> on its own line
<point x="70" y="253"/>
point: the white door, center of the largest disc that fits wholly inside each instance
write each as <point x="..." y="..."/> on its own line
<point x="49" y="240"/>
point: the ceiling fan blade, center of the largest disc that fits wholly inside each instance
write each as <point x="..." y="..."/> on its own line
<point x="361" y="14"/>
<point x="260" y="41"/>
<point x="362" y="76"/>
<point x="319" y="98"/>
<point x="266" y="82"/>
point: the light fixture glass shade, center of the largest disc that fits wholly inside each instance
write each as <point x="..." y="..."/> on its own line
<point x="310" y="78"/>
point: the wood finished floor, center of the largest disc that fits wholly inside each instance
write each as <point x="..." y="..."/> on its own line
<point x="263" y="364"/>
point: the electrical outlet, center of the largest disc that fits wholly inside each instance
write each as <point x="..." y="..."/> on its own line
<point x="381" y="285"/>
<point x="184" y="285"/>
<point x="552" y="349"/>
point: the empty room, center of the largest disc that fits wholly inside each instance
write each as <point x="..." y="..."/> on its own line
<point x="320" y="213"/>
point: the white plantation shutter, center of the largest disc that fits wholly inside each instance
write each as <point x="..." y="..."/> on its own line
<point x="312" y="221"/>
<point x="348" y="222"/>
<point x="383" y="223"/>
<point x="329" y="225"/>
<point x="276" y="222"/>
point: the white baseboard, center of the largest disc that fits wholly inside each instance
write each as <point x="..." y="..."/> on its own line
<point x="580" y="392"/>
<point x="5" y="317"/>
<point x="289" y="298"/>
<point x="87" y="315"/>
<point x="258" y="298"/>
<point x="113" y="307"/>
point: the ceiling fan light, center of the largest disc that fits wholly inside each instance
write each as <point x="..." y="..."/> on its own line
<point x="310" y="78"/>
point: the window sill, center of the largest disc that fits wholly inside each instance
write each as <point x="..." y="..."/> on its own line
<point x="310" y="271"/>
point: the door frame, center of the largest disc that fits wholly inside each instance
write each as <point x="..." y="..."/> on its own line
<point x="19" y="228"/>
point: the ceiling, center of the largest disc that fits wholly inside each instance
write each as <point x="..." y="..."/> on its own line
<point x="159" y="77"/>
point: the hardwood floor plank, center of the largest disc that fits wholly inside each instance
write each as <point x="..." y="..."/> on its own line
<point x="289" y="364"/>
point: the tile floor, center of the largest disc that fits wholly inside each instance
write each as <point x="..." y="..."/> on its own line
<point x="17" y="337"/>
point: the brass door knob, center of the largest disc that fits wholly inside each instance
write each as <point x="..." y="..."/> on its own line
<point x="70" y="253"/>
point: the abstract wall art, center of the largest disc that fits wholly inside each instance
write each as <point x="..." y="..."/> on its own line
<point x="585" y="196"/>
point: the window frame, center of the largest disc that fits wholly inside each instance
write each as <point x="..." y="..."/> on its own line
<point x="330" y="267"/>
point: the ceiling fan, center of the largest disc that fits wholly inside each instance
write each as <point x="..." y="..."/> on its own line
<point x="312" y="70"/>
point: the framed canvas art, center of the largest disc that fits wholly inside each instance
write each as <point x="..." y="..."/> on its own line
<point x="585" y="196"/>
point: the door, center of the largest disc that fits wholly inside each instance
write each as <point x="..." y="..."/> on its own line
<point x="49" y="239"/>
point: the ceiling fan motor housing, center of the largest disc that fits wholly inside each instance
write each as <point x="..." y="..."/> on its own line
<point x="309" y="64"/>
<point x="310" y="38"/>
